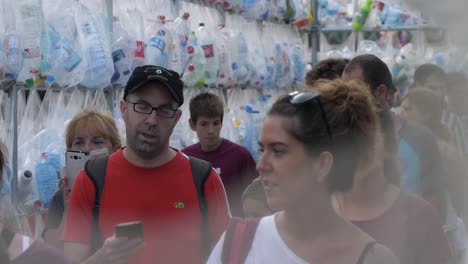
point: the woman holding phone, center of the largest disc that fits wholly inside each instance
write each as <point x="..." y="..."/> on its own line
<point x="89" y="130"/>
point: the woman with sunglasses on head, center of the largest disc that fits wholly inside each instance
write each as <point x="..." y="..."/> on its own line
<point x="308" y="144"/>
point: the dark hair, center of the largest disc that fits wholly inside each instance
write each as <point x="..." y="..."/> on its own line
<point x="351" y="115"/>
<point x="374" y="71"/>
<point x="206" y="104"/>
<point x="425" y="70"/>
<point x="328" y="69"/>
<point x="428" y="102"/>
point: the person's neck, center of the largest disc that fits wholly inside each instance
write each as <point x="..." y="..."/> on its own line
<point x="309" y="224"/>
<point x="149" y="162"/>
<point x="210" y="147"/>
<point x="368" y="198"/>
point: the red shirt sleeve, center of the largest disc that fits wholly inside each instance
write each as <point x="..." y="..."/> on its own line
<point x="79" y="216"/>
<point x="218" y="209"/>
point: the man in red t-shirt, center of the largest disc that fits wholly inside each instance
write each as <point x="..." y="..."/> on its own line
<point x="146" y="181"/>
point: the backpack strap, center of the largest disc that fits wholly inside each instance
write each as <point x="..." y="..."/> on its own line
<point x="200" y="172"/>
<point x="96" y="171"/>
<point x="238" y="240"/>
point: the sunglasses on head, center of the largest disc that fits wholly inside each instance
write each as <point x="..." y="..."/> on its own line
<point x="299" y="98"/>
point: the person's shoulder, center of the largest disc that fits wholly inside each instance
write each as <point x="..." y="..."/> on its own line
<point x="194" y="148"/>
<point x="379" y="253"/>
<point x="232" y="146"/>
<point x="418" y="207"/>
<point x="409" y="129"/>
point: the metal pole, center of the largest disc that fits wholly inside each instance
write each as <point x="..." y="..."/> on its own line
<point x="315" y="33"/>
<point x="14" y="156"/>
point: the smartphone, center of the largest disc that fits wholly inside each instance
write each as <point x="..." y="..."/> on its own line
<point x="129" y="230"/>
<point x="75" y="162"/>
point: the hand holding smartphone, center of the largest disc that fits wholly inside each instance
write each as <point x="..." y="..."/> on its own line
<point x="130" y="230"/>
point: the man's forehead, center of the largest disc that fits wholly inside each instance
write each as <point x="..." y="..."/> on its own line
<point x="354" y="74"/>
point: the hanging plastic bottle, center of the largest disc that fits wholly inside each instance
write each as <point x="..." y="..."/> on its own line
<point x="121" y="52"/>
<point x="361" y="15"/>
<point x="99" y="68"/>
<point x="14" y="57"/>
<point x="298" y="64"/>
<point x="323" y="12"/>
<point x="259" y="69"/>
<point x="207" y="42"/>
<point x="31" y="17"/>
<point x="135" y="21"/>
<point x="375" y="15"/>
<point x="47" y="179"/>
<point x="241" y="67"/>
<point x="63" y="60"/>
<point x="226" y="78"/>
<point x="182" y="27"/>
<point x="196" y="64"/>
<point x="156" y="46"/>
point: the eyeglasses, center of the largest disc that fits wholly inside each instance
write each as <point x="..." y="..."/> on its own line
<point x="143" y="108"/>
<point x="298" y="98"/>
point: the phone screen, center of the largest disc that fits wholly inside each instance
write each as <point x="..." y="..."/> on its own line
<point x="129" y="230"/>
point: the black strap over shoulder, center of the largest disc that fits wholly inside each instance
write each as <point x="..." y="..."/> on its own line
<point x="96" y="171"/>
<point x="200" y="172"/>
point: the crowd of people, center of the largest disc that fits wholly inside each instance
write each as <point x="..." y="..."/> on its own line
<point x="349" y="172"/>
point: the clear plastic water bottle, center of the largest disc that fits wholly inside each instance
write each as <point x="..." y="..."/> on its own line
<point x="99" y="62"/>
<point x="298" y="64"/>
<point x="64" y="58"/>
<point x="156" y="47"/>
<point x="242" y="67"/>
<point x="14" y="57"/>
<point x="46" y="177"/>
<point x="196" y="65"/>
<point x="31" y="21"/>
<point x="361" y="15"/>
<point x="207" y="42"/>
<point x="323" y="12"/>
<point x="182" y="27"/>
<point x="120" y="54"/>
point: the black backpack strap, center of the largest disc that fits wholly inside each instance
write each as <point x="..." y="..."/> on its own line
<point x="96" y="171"/>
<point x="200" y="172"/>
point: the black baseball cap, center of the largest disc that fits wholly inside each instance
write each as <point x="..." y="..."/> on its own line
<point x="150" y="73"/>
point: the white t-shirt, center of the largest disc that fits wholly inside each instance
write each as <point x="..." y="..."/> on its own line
<point x="267" y="246"/>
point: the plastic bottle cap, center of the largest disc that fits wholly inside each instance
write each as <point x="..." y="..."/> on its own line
<point x="185" y="16"/>
<point x="191" y="67"/>
<point x="27" y="174"/>
<point x="201" y="24"/>
<point x="190" y="49"/>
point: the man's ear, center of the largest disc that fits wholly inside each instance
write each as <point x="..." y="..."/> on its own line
<point x="381" y="93"/>
<point x="192" y="124"/>
<point x="123" y="108"/>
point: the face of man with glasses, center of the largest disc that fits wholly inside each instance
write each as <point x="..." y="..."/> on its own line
<point x="150" y="115"/>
